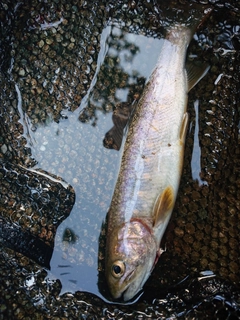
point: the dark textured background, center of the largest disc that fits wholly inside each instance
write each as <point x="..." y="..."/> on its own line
<point x="70" y="88"/>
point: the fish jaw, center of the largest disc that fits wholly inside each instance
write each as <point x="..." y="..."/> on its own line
<point x="132" y="253"/>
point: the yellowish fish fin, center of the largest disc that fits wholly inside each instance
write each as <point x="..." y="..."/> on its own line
<point x="184" y="126"/>
<point x="163" y="204"/>
<point x="195" y="72"/>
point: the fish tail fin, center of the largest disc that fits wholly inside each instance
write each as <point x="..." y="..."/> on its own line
<point x="188" y="14"/>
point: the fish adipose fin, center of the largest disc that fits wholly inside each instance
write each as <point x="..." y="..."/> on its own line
<point x="163" y="204"/>
<point x="195" y="72"/>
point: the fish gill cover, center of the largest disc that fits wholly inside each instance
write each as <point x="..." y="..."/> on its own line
<point x="65" y="67"/>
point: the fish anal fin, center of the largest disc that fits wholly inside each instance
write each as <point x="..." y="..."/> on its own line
<point x="163" y="205"/>
<point x="195" y="72"/>
<point x="184" y="126"/>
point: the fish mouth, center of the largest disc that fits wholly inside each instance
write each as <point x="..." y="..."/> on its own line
<point x="132" y="292"/>
<point x="128" y="285"/>
<point x="123" y="301"/>
<point x="138" y="291"/>
<point x="119" y="296"/>
<point x="134" y="298"/>
<point x="129" y="294"/>
<point x="124" y="293"/>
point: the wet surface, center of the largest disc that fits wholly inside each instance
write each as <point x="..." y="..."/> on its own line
<point x="64" y="69"/>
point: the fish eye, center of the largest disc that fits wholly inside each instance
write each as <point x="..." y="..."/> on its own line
<point x="118" y="269"/>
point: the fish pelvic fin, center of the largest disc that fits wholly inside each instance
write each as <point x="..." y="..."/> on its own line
<point x="183" y="129"/>
<point x="195" y="72"/>
<point x="162" y="206"/>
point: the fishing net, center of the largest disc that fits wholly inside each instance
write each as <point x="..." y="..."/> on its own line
<point x="68" y="72"/>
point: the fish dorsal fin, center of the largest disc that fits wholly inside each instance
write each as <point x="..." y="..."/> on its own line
<point x="163" y="205"/>
<point x="195" y="72"/>
<point x="113" y="138"/>
<point x="121" y="116"/>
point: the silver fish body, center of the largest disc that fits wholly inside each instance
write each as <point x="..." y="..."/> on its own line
<point x="150" y="171"/>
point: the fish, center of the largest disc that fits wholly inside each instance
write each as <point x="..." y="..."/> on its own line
<point x="151" y="165"/>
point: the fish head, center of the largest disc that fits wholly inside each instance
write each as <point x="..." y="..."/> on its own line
<point x="131" y="255"/>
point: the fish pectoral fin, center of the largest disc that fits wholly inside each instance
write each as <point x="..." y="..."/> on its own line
<point x="184" y="126"/>
<point x="163" y="205"/>
<point x="195" y="72"/>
